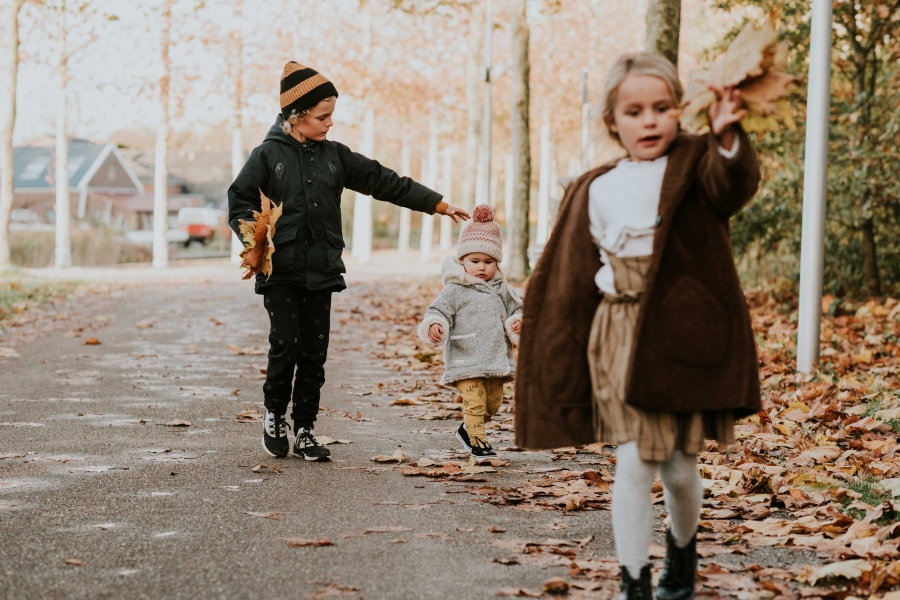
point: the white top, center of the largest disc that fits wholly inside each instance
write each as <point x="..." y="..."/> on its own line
<point x="623" y="205"/>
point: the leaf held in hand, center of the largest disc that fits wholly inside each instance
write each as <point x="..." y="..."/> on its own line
<point x="256" y="257"/>
<point x="752" y="63"/>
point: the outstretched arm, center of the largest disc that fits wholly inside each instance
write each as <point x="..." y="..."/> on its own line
<point x="370" y="177"/>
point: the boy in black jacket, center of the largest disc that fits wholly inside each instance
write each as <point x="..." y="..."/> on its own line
<point x="299" y="169"/>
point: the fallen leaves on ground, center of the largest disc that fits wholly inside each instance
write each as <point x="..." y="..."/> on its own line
<point x="278" y="470"/>
<point x="74" y="561"/>
<point x="249" y="351"/>
<point x="331" y="590"/>
<point x="398" y="457"/>
<point x="296" y="542"/>
<point x="387" y="529"/>
<point x="92" y="341"/>
<point x="249" y="416"/>
<point x="817" y="471"/>
<point x="327" y="441"/>
<point x="178" y="423"/>
<point x="8" y="353"/>
<point x="256" y="257"/>
<point x="275" y="516"/>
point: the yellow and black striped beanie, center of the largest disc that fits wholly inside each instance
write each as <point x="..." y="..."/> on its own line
<point x="302" y="88"/>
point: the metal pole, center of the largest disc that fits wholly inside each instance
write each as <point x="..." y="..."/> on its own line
<point x="815" y="188"/>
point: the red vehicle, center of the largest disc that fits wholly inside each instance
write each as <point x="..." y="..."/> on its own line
<point x="202" y="224"/>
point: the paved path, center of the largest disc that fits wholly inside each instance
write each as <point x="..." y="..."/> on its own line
<point x="100" y="498"/>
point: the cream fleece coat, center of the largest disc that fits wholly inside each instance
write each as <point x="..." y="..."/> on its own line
<point x="477" y="317"/>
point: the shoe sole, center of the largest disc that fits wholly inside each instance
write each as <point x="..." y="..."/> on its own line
<point x="311" y="458"/>
<point x="463" y="442"/>
<point x="269" y="452"/>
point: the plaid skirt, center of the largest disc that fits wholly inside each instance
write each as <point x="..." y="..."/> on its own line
<point x="610" y="347"/>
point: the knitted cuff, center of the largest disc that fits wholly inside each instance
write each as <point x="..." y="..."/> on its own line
<point x="513" y="336"/>
<point x="426" y="324"/>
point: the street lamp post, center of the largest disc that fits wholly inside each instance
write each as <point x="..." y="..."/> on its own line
<point x="815" y="187"/>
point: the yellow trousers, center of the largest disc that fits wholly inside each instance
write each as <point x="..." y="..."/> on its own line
<point x="482" y="398"/>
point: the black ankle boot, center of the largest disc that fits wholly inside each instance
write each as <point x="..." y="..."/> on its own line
<point x="679" y="575"/>
<point x="636" y="589"/>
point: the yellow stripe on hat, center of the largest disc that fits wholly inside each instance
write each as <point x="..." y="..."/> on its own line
<point x="302" y="88"/>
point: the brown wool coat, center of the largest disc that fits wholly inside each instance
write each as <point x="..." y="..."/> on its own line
<point x="695" y="349"/>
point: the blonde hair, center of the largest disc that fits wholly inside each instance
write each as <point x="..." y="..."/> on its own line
<point x="637" y="63"/>
<point x="287" y="125"/>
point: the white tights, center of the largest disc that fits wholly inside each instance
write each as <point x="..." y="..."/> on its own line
<point x="631" y="508"/>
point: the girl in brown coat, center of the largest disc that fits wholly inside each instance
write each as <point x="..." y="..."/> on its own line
<point x="664" y="356"/>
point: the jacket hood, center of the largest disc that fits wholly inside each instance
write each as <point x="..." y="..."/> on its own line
<point x="452" y="271"/>
<point x="276" y="135"/>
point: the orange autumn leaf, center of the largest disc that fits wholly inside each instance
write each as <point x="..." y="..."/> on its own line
<point x="256" y="257"/>
<point x="752" y="63"/>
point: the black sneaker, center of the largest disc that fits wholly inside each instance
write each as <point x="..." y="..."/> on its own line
<point x="482" y="450"/>
<point x="463" y="436"/>
<point x="275" y="440"/>
<point x="308" y="447"/>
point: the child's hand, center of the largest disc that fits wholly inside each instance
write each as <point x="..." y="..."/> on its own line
<point x="516" y="327"/>
<point x="436" y="332"/>
<point x="728" y="110"/>
<point x="457" y="214"/>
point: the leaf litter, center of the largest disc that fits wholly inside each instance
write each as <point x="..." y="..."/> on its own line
<point x="816" y="471"/>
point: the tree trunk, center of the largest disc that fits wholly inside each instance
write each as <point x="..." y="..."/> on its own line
<point x="521" y="145"/>
<point x="870" y="258"/>
<point x="427" y="239"/>
<point x="544" y="183"/>
<point x="237" y="137"/>
<point x="663" y="28"/>
<point x="474" y="76"/>
<point x="6" y="138"/>
<point x="405" y="213"/>
<point x="63" y="253"/>
<point x="161" y="168"/>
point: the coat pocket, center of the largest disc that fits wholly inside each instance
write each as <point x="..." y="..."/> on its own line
<point x="461" y="351"/>
<point x="334" y="248"/>
<point x="694" y="325"/>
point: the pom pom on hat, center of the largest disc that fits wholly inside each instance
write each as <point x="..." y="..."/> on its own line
<point x="482" y="234"/>
<point x="483" y="214"/>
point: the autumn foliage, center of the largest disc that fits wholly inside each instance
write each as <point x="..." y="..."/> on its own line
<point x="256" y="257"/>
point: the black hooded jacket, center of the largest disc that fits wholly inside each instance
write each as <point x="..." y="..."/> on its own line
<point x="307" y="180"/>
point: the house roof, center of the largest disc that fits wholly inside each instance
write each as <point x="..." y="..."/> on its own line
<point x="34" y="166"/>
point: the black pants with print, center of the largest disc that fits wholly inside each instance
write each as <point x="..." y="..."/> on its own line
<point x="300" y="320"/>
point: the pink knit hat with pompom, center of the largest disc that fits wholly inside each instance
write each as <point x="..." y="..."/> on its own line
<point x="482" y="234"/>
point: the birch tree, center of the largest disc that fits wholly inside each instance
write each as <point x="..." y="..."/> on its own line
<point x="405" y="213"/>
<point x="161" y="171"/>
<point x="63" y="251"/>
<point x="6" y="137"/>
<point x="474" y="76"/>
<point x="663" y="28"/>
<point x="237" y="138"/>
<point x="521" y="145"/>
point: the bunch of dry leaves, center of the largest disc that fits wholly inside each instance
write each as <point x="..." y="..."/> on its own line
<point x="256" y="257"/>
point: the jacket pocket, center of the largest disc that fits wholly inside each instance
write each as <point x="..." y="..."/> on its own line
<point x="333" y="248"/>
<point x="461" y="351"/>
<point x="694" y="325"/>
<point x="283" y="257"/>
<point x="284" y="235"/>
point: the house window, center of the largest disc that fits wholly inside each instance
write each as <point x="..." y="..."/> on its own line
<point x="74" y="164"/>
<point x="34" y="169"/>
